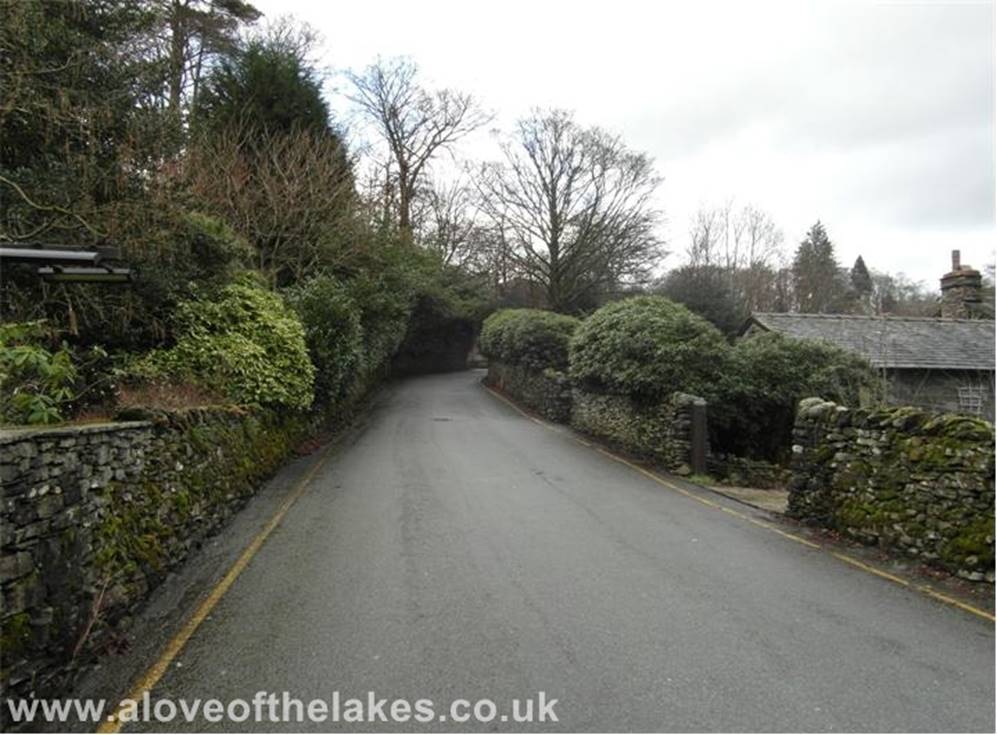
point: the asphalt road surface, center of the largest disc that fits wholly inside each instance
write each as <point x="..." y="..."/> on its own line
<point x="457" y="550"/>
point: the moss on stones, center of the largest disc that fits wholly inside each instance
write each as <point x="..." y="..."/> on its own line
<point x="15" y="635"/>
<point x="976" y="539"/>
<point x="899" y="477"/>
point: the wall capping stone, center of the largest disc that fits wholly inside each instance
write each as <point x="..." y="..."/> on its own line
<point x="14" y="435"/>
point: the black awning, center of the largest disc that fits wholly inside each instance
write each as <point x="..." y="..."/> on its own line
<point x="68" y="263"/>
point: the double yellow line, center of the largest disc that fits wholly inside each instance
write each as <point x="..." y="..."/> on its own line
<point x="176" y="644"/>
<point x="858" y="564"/>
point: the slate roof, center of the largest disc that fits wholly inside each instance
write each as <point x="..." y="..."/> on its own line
<point x="894" y="342"/>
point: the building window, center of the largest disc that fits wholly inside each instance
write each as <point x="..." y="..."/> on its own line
<point x="971" y="400"/>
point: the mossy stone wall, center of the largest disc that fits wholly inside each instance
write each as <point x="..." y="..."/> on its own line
<point x="660" y="431"/>
<point x="901" y="478"/>
<point x="548" y="392"/>
<point x="730" y="469"/>
<point x="94" y="517"/>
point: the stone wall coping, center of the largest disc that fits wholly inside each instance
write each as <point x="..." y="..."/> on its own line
<point x="911" y="420"/>
<point x="14" y="435"/>
<point x="687" y="399"/>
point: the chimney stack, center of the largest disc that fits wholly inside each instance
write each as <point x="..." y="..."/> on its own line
<point x="961" y="290"/>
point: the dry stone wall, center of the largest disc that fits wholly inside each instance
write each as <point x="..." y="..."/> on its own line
<point x="660" y="431"/>
<point x="94" y="517"/>
<point x="548" y="392"/>
<point x="745" y="472"/>
<point x="901" y="478"/>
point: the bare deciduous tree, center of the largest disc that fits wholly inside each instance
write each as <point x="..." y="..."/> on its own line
<point x="449" y="223"/>
<point x="745" y="245"/>
<point x="290" y="194"/>
<point x="897" y="295"/>
<point x="415" y="123"/>
<point x="575" y="210"/>
<point x="733" y="238"/>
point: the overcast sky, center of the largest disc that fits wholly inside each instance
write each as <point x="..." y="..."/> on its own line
<point x="876" y="117"/>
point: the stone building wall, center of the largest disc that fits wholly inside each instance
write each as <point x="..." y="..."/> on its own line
<point x="943" y="391"/>
<point x="547" y="392"/>
<point x="94" y="517"/>
<point x="901" y="478"/>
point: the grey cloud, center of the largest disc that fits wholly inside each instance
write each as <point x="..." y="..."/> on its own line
<point x="904" y="96"/>
<point x="946" y="179"/>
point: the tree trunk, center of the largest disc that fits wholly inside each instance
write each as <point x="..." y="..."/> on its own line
<point x="405" y="187"/>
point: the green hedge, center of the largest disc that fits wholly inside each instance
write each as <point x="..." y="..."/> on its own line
<point x="532" y="338"/>
<point x="647" y="348"/>
<point x="333" y="332"/>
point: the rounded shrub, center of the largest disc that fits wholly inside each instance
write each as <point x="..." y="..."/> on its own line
<point x="773" y="367"/>
<point x="533" y="338"/>
<point x="333" y="333"/>
<point x="492" y="336"/>
<point x="648" y="347"/>
<point x="245" y="343"/>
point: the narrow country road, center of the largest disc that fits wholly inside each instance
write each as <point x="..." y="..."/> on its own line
<point x="458" y="550"/>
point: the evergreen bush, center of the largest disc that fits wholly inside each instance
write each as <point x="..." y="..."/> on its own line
<point x="646" y="348"/>
<point x="532" y="338"/>
<point x="246" y="343"/>
<point x="767" y="376"/>
<point x="333" y="333"/>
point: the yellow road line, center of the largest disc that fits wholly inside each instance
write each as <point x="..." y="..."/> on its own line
<point x="155" y="672"/>
<point x="923" y="589"/>
<point x="870" y="569"/>
<point x="934" y="594"/>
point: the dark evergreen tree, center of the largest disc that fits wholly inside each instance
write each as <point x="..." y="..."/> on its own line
<point x="861" y="278"/>
<point x="268" y="86"/>
<point x="816" y="278"/>
<point x="197" y="32"/>
<point x="262" y="125"/>
<point x="75" y="126"/>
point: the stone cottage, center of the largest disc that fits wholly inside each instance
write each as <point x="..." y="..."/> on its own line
<point x="943" y="364"/>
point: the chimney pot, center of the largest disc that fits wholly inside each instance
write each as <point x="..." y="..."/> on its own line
<point x="955" y="261"/>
